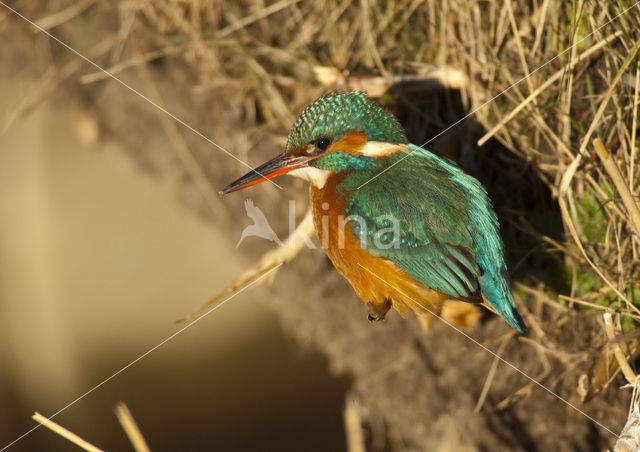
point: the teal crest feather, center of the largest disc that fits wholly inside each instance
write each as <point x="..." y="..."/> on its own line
<point x="337" y="113"/>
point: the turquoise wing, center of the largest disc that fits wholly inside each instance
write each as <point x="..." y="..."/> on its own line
<point x="416" y="216"/>
<point x="435" y="222"/>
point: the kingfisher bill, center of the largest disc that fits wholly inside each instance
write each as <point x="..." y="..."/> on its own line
<point x="407" y="228"/>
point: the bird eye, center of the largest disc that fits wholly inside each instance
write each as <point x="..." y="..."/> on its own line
<point x="322" y="143"/>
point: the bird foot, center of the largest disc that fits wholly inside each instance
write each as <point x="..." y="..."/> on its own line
<point x="376" y="312"/>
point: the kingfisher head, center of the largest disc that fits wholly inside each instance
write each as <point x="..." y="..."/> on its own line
<point x="338" y="132"/>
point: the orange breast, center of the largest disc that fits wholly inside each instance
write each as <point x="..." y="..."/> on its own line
<point x="380" y="281"/>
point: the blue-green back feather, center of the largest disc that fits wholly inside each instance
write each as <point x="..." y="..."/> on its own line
<point x="448" y="232"/>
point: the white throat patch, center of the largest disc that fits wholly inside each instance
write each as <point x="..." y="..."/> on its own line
<point x="318" y="177"/>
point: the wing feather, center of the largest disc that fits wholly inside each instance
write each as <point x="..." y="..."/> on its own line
<point x="432" y="242"/>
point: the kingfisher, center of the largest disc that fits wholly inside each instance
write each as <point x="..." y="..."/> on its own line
<point x="407" y="228"/>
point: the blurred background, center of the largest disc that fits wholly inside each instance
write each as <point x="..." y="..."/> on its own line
<point x="97" y="262"/>
<point x="111" y="227"/>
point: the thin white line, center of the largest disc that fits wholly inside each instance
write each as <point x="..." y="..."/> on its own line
<point x="162" y="109"/>
<point x="500" y="93"/>
<point x="220" y="304"/>
<point x="494" y="354"/>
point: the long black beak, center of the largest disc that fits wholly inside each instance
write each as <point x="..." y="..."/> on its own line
<point x="275" y="167"/>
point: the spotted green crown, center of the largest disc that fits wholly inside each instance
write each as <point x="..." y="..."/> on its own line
<point x="334" y="114"/>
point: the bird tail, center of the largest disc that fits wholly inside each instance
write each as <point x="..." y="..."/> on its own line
<point x="509" y="313"/>
<point x="516" y="320"/>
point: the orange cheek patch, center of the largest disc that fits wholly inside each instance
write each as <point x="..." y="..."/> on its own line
<point x="350" y="143"/>
<point x="297" y="152"/>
